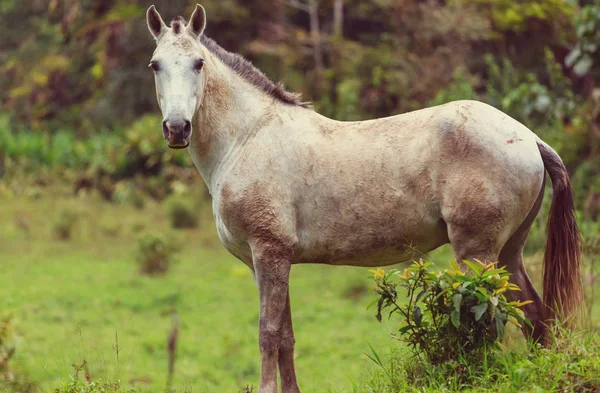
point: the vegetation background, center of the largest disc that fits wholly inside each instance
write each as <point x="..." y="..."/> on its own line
<point x="88" y="187"/>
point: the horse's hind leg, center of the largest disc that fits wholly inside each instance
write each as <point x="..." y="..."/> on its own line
<point x="474" y="228"/>
<point x="511" y="256"/>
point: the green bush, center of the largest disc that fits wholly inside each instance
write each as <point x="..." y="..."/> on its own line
<point x="451" y="313"/>
<point x="182" y="213"/>
<point x="63" y="227"/>
<point x="155" y="254"/>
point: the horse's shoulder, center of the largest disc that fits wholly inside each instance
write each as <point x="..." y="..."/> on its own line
<point x="255" y="212"/>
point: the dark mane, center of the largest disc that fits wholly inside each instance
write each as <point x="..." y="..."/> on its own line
<point x="246" y="70"/>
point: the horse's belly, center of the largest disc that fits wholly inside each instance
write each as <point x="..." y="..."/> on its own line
<point x="369" y="244"/>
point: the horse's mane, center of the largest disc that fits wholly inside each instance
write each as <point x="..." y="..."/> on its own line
<point x="246" y="69"/>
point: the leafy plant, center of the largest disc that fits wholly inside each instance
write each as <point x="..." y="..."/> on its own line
<point x="182" y="213"/>
<point x="75" y="385"/>
<point x="7" y="345"/>
<point x="155" y="254"/>
<point x="449" y="313"/>
<point x="63" y="227"/>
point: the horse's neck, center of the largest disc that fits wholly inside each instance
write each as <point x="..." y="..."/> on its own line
<point x="232" y="112"/>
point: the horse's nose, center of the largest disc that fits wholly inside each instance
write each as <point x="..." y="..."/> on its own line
<point x="177" y="132"/>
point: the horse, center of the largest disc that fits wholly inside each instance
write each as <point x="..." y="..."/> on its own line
<point x="290" y="186"/>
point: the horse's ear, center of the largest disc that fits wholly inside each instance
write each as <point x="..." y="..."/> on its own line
<point x="155" y="23"/>
<point x="197" y="21"/>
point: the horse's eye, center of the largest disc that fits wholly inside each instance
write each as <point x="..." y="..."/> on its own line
<point x="198" y="64"/>
<point x="154" y="65"/>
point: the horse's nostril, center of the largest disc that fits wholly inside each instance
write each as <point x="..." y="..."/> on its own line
<point x="165" y="129"/>
<point x="187" y="128"/>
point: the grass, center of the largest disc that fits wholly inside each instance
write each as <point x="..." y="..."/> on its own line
<point x="84" y="299"/>
<point x="71" y="299"/>
<point x="572" y="364"/>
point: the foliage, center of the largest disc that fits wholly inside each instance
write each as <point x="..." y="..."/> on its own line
<point x="145" y="151"/>
<point x="508" y="15"/>
<point x="64" y="225"/>
<point x="585" y="57"/>
<point x="76" y="385"/>
<point x="182" y="213"/>
<point x="155" y="254"/>
<point x="570" y="364"/>
<point x="7" y="345"/>
<point x="449" y="314"/>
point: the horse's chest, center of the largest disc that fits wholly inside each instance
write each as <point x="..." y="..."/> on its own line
<point x="232" y="241"/>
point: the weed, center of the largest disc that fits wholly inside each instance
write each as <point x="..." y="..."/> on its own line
<point x="155" y="254"/>
<point x="450" y="313"/>
<point x="75" y="385"/>
<point x="182" y="213"/>
<point x="7" y="345"/>
<point x="570" y="364"/>
<point x="63" y="227"/>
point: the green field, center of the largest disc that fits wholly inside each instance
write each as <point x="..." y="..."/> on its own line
<point x="84" y="299"/>
<point x="72" y="298"/>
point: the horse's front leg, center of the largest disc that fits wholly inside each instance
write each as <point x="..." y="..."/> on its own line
<point x="286" y="353"/>
<point x="272" y="268"/>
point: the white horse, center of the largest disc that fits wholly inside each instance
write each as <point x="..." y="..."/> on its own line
<point x="291" y="186"/>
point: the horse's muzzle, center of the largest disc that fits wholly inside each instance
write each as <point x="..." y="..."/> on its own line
<point x="177" y="133"/>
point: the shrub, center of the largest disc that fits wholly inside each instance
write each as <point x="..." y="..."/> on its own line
<point x="449" y="313"/>
<point x="63" y="227"/>
<point x="182" y="213"/>
<point x="75" y="385"/>
<point x="155" y="254"/>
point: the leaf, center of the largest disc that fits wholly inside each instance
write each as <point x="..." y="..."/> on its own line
<point x="492" y="272"/>
<point x="479" y="310"/>
<point x="455" y="318"/>
<point x="500" y="328"/>
<point x="494" y="300"/>
<point x="420" y="295"/>
<point x="484" y="292"/>
<point x="477" y="268"/>
<point x="499" y="291"/>
<point x="514" y="321"/>
<point x="520" y="304"/>
<point x="481" y="298"/>
<point x="457" y="300"/>
<point x="417" y="315"/>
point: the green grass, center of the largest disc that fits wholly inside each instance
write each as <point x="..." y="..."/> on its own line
<point x="75" y="300"/>
<point x="72" y="298"/>
<point x="571" y="364"/>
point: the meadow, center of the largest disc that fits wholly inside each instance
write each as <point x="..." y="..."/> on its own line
<point x="83" y="299"/>
<point x="77" y="299"/>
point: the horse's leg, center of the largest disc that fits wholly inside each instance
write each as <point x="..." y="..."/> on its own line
<point x="511" y="256"/>
<point x="286" y="353"/>
<point x="474" y="238"/>
<point x="272" y="268"/>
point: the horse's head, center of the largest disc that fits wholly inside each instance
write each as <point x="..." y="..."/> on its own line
<point x="177" y="63"/>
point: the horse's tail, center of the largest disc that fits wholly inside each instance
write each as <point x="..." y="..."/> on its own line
<point x="563" y="290"/>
